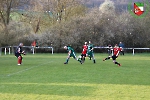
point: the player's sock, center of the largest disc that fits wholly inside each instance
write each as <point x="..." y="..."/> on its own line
<point x="83" y="60"/>
<point x="94" y="61"/>
<point x="90" y="58"/>
<point x="107" y="58"/>
<point x="118" y="63"/>
<point x="19" y="59"/>
<point x="79" y="59"/>
<point x="67" y="61"/>
<point x="80" y="62"/>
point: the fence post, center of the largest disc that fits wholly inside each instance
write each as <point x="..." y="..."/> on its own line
<point x="33" y="50"/>
<point x="12" y="49"/>
<point x="133" y="51"/>
<point x="9" y="50"/>
<point x="5" y="51"/>
<point x="52" y="50"/>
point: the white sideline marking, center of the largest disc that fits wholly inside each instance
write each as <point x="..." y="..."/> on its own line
<point x="27" y="69"/>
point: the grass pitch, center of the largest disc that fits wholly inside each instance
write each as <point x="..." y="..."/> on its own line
<point x="45" y="77"/>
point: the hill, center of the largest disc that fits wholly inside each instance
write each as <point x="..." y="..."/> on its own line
<point x="96" y="3"/>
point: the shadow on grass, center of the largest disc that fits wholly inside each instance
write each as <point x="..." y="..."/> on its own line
<point x="46" y="89"/>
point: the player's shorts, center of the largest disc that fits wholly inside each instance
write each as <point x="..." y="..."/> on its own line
<point x="83" y="55"/>
<point x="17" y="55"/>
<point x="73" y="55"/>
<point x="114" y="57"/>
<point x="90" y="54"/>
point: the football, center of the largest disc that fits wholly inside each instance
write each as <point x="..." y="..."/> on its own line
<point x="79" y="57"/>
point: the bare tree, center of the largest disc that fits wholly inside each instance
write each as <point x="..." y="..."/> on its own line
<point x="6" y="8"/>
<point x="107" y="7"/>
<point x="61" y="9"/>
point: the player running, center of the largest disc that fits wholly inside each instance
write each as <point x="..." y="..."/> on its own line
<point x="71" y="53"/>
<point x="18" y="53"/>
<point x="90" y="52"/>
<point x="116" y="51"/>
<point x="84" y="52"/>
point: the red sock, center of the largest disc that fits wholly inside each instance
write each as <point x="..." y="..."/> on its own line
<point x="19" y="60"/>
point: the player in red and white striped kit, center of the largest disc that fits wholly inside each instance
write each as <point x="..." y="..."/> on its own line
<point x="116" y="51"/>
<point x="84" y="52"/>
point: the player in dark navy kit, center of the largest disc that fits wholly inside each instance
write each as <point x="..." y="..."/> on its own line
<point x="116" y="51"/>
<point x="18" y="53"/>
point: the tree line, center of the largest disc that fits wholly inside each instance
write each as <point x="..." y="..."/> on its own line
<point x="69" y="22"/>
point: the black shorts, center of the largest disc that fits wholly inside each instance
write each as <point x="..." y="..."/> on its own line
<point x="114" y="57"/>
<point x="83" y="55"/>
<point x="17" y="55"/>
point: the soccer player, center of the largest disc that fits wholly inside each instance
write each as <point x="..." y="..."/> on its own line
<point x="71" y="53"/>
<point x="90" y="51"/>
<point x="84" y="52"/>
<point x="109" y="50"/>
<point x="121" y="45"/>
<point x="18" y="53"/>
<point x="116" y="51"/>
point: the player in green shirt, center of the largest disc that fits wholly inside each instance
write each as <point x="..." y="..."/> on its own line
<point x="90" y="52"/>
<point x="71" y="53"/>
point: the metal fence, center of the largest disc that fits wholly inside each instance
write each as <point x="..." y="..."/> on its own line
<point x="133" y="49"/>
<point x="11" y="49"/>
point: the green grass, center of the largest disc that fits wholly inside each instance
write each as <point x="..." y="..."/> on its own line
<point x="45" y="77"/>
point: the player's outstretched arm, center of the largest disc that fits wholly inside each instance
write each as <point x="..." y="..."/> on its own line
<point x="23" y="52"/>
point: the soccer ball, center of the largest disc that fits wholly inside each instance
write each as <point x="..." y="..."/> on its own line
<point x="79" y="57"/>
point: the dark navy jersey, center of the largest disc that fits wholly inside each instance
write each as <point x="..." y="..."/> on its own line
<point x="18" y="50"/>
